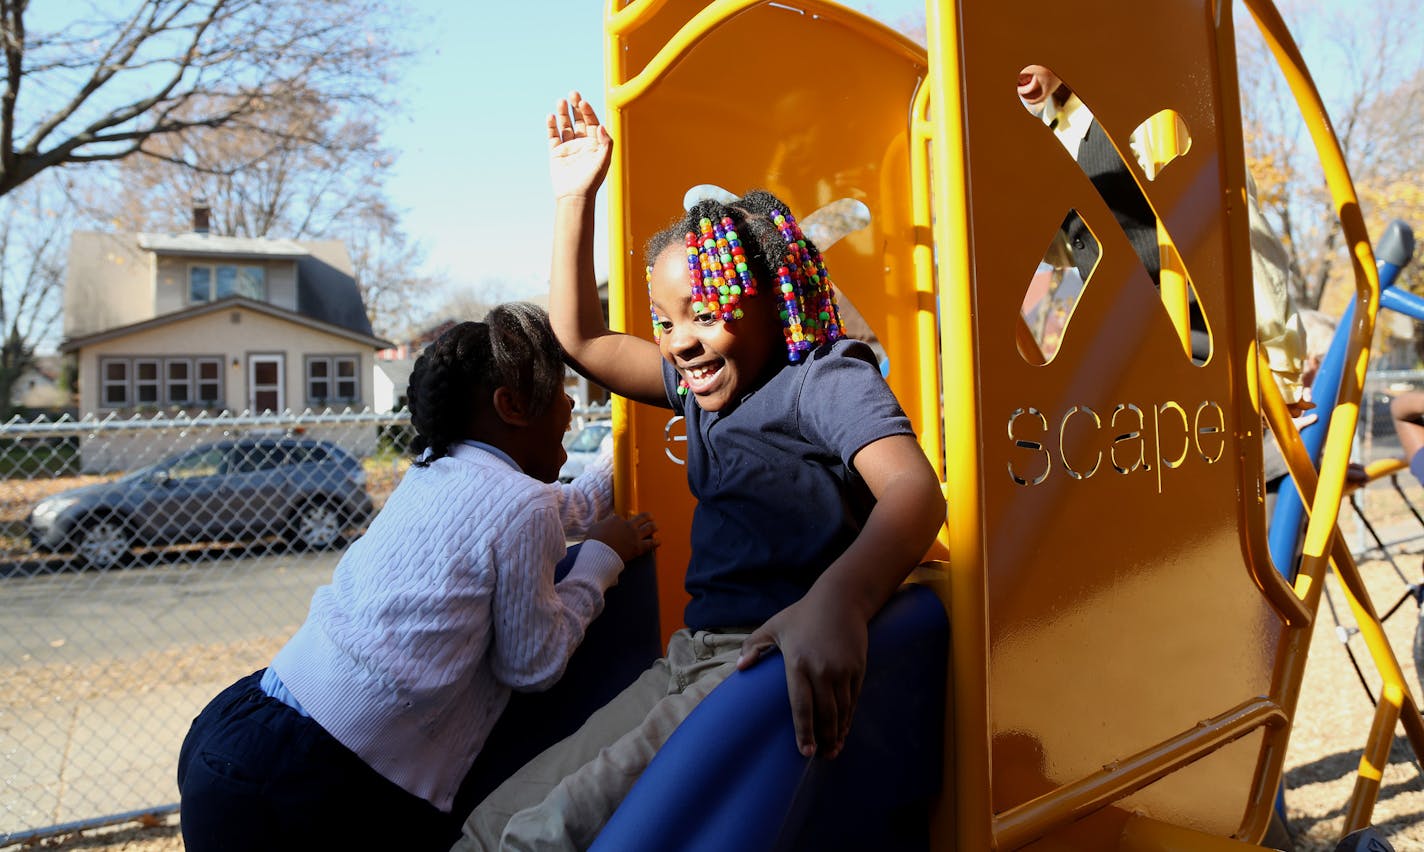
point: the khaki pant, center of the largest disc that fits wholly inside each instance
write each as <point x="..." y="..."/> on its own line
<point x="561" y="799"/>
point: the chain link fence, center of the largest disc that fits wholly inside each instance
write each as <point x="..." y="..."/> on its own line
<point x="144" y="565"/>
<point x="1388" y="504"/>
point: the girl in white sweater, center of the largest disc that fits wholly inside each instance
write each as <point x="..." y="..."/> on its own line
<point x="359" y="733"/>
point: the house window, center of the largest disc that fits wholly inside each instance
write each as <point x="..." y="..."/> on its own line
<point x="115" y="391"/>
<point x="179" y="382"/>
<point x="333" y="379"/>
<point x="209" y="381"/>
<point x="148" y="388"/>
<point x="207" y="283"/>
<point x="179" y="387"/>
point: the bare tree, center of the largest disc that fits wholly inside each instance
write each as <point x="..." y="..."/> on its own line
<point x="390" y="278"/>
<point x="461" y="304"/>
<point x="323" y="180"/>
<point x="110" y="81"/>
<point x="1371" y="74"/>
<point x="324" y="171"/>
<point x="34" y="232"/>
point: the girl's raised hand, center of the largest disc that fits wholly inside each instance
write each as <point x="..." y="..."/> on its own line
<point x="579" y="148"/>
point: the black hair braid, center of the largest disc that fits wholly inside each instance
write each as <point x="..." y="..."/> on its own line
<point x="759" y="205"/>
<point x="457" y="375"/>
<point x="751" y="214"/>
<point x="786" y="267"/>
<point x="525" y="354"/>
<point x="444" y="389"/>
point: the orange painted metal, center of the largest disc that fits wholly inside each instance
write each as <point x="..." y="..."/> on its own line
<point x="842" y="132"/>
<point x="1121" y="643"/>
<point x="1114" y="595"/>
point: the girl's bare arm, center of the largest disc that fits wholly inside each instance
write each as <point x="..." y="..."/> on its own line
<point x="580" y="150"/>
<point x="823" y="635"/>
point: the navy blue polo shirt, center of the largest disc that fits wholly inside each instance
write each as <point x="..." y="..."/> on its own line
<point x="777" y="499"/>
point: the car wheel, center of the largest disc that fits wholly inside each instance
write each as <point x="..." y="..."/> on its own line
<point x="318" y="526"/>
<point x="102" y="541"/>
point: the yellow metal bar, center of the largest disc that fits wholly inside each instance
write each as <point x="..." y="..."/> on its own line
<point x="969" y="825"/>
<point x="1174" y="288"/>
<point x="922" y="261"/>
<point x="614" y="71"/>
<point x="1022" y="825"/>
<point x="1374" y="760"/>
<point x="619" y="22"/>
<point x="1283" y="598"/>
<point x="1380" y="468"/>
<point x="1164" y="146"/>
<point x="1322" y="534"/>
<point x="1278" y="417"/>
<point x="1342" y="426"/>
<point x="1377" y="470"/>
<point x="1396" y="703"/>
<point x="696" y="29"/>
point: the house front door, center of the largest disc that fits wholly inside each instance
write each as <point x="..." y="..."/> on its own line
<point x="265" y="388"/>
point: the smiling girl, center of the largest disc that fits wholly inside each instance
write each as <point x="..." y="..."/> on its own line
<point x="814" y="499"/>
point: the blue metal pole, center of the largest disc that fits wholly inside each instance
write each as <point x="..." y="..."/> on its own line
<point x="1395" y="249"/>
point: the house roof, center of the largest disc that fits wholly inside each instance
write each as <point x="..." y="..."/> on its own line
<point x="326" y="280"/>
<point x="326" y="286"/>
<point x="208" y="245"/>
<point x="76" y="343"/>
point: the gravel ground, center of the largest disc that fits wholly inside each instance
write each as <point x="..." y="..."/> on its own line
<point x="1332" y="722"/>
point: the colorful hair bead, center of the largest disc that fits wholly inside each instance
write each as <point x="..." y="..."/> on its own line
<point x="809" y="317"/>
<point x="720" y="278"/>
<point x="653" y="313"/>
<point x="657" y="327"/>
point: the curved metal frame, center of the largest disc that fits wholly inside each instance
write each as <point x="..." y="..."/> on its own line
<point x="939" y="176"/>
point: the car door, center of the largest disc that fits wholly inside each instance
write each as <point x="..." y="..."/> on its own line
<point x="256" y="488"/>
<point x="185" y="501"/>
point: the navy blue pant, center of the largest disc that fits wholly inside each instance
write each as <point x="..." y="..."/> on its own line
<point x="255" y="774"/>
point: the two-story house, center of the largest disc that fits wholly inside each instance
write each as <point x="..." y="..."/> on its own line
<point x="199" y="323"/>
<point x="196" y="321"/>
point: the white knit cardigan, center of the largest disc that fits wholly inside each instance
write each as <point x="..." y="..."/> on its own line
<point x="446" y="604"/>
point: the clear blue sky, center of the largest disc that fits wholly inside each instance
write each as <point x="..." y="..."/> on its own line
<point x="472" y="174"/>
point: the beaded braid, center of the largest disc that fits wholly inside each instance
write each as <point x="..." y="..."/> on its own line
<point x="722" y="271"/>
<point x="809" y="313"/>
<point x="457" y="374"/>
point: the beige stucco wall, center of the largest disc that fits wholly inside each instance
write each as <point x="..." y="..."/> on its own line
<point x="171" y="290"/>
<point x="108" y="283"/>
<point x="233" y="335"/>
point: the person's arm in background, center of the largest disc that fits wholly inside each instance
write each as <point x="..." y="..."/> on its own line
<point x="1278" y="327"/>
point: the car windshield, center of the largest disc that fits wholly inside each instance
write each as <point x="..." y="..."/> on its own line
<point x="588" y="439"/>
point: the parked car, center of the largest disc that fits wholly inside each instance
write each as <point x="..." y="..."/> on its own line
<point x="583" y="448"/>
<point x="310" y="491"/>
